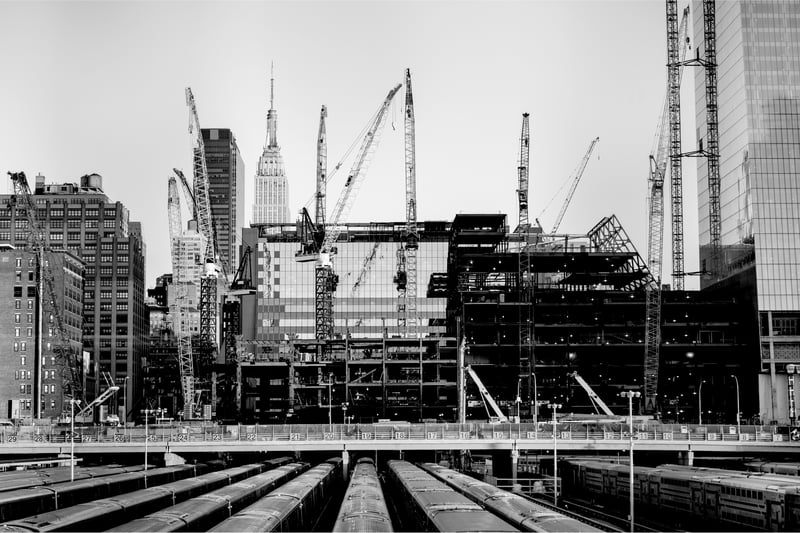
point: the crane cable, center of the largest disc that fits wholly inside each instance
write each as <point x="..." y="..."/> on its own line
<point x="563" y="184"/>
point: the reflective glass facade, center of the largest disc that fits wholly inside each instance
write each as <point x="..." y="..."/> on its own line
<point x="758" y="52"/>
<point x="365" y="302"/>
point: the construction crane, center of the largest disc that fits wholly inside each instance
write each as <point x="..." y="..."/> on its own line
<point x="179" y="309"/>
<point x="595" y="399"/>
<point x="488" y="401"/>
<point x="576" y="178"/>
<point x="105" y="395"/>
<point x="655" y="234"/>
<point x="522" y="170"/>
<point x="68" y="357"/>
<point x="406" y="277"/>
<point x="325" y="279"/>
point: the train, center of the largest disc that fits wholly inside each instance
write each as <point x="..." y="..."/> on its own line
<point x="774" y="467"/>
<point x="21" y="479"/>
<point x="766" y="502"/>
<point x="291" y="507"/>
<point x="206" y="510"/>
<point x="513" y="508"/>
<point x="103" y="513"/>
<point x="364" y="506"/>
<point x="424" y="503"/>
<point x="40" y="499"/>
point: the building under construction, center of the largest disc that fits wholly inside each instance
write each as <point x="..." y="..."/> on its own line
<point x="533" y="310"/>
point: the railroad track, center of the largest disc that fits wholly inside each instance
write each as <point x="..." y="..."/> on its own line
<point x="641" y="525"/>
<point x="590" y="515"/>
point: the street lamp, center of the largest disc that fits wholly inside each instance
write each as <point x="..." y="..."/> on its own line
<point x="738" y="410"/>
<point x="147" y="413"/>
<point x="535" y="404"/>
<point x="555" y="406"/>
<point x="72" y="403"/>
<point x="790" y="369"/>
<point x="631" y="395"/>
<point x="330" y="399"/>
<point x="700" y="404"/>
<point x="518" y="401"/>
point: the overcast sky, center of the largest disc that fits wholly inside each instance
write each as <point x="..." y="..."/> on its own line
<point x="99" y="87"/>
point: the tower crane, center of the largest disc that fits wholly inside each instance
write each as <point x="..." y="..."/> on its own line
<point x="322" y="169"/>
<point x="522" y="190"/>
<point x="406" y="278"/>
<point x="325" y="278"/>
<point x="576" y="177"/>
<point x="179" y="310"/>
<point x="655" y="234"/>
<point x="67" y="354"/>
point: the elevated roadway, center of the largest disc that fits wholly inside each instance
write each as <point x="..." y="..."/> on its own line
<point x="722" y="439"/>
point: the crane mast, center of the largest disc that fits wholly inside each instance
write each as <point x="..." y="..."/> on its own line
<point x="406" y="277"/>
<point x="522" y="190"/>
<point x="69" y="358"/>
<point x="179" y="310"/>
<point x="325" y="280"/>
<point x="576" y="178"/>
<point x="655" y="235"/>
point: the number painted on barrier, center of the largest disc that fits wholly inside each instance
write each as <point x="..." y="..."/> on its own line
<point x="151" y="438"/>
<point x="366" y="436"/>
<point x="119" y="438"/>
<point x="530" y="434"/>
<point x="667" y="436"/>
<point x="328" y="436"/>
<point x="400" y="435"/>
<point x="432" y="435"/>
<point x="38" y="438"/>
<point x="216" y="436"/>
<point x="499" y="434"/>
<point x="251" y="436"/>
<point x="295" y="436"/>
<point x="464" y="435"/>
<point x="12" y="438"/>
<point x="181" y="437"/>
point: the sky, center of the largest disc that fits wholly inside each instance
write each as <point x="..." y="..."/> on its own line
<point x="98" y="86"/>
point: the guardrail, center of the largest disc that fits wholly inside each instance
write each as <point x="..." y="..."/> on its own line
<point x="390" y="432"/>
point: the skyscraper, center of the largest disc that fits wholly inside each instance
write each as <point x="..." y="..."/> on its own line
<point x="271" y="203"/>
<point x="81" y="219"/>
<point x="226" y="191"/>
<point x="758" y="56"/>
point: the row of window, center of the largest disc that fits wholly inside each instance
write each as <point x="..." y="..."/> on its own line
<point x="59" y="212"/>
<point x="26" y="374"/>
<point x="106" y="270"/>
<point x="104" y="306"/>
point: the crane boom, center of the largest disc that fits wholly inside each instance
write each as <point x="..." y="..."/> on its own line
<point x="322" y="168"/>
<point x="178" y="308"/>
<point x="596" y="401"/>
<point x="576" y="177"/>
<point x="201" y="185"/>
<point x="69" y="358"/>
<point x="487" y="398"/>
<point x="408" y="295"/>
<point x="524" y="157"/>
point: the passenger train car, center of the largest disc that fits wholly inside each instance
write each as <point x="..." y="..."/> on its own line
<point x="757" y="501"/>
<point x="426" y="504"/>
<point x="513" y="508"/>
<point x="364" y="506"/>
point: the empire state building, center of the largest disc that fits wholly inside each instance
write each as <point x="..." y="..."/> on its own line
<point x="271" y="203"/>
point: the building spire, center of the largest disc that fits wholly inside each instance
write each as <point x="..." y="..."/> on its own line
<point x="272" y="115"/>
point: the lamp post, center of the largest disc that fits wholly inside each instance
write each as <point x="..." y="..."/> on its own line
<point x="125" y="401"/>
<point x="147" y="413"/>
<point x="555" y="406"/>
<point x="700" y="404"/>
<point x="330" y="400"/>
<point x="790" y="369"/>
<point x="738" y="410"/>
<point x="535" y="404"/>
<point x="631" y="395"/>
<point x="72" y="403"/>
<point x="518" y="401"/>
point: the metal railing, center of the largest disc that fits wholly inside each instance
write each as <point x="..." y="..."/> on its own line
<point x="391" y="432"/>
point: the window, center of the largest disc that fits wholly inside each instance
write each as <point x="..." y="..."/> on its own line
<point x="88" y="258"/>
<point x="21" y="224"/>
<point x="56" y="224"/>
<point x="120" y="306"/>
<point x="122" y="343"/>
<point x="73" y="236"/>
<point x="105" y="295"/>
<point x="108" y="235"/>
<point x="56" y="213"/>
<point x="17" y="292"/>
<point x="17" y="318"/>
<point x="122" y="295"/>
<point x="16" y="346"/>
<point x="5" y="235"/>
<point x="109" y="213"/>
<point x="106" y="270"/>
<point x="74" y="212"/>
<point x="91" y="212"/>
<point x="16" y="332"/>
<point x="20" y="236"/>
<point x="109" y="223"/>
<point x="30" y="318"/>
<point x="122" y="282"/>
<point x="106" y="258"/>
<point x="90" y="223"/>
<point x="22" y="360"/>
<point x="91" y="236"/>
<point x="52" y="404"/>
<point x="17" y="304"/>
<point x="122" y="271"/>
<point x="107" y="246"/>
<point x="105" y="282"/>
<point x="31" y="292"/>
<point x="122" y="258"/>
<point x="24" y="346"/>
<point x="122" y="247"/>
<point x="73" y="224"/>
<point x="30" y="332"/>
<point x="56" y="236"/>
<point x="30" y="304"/>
